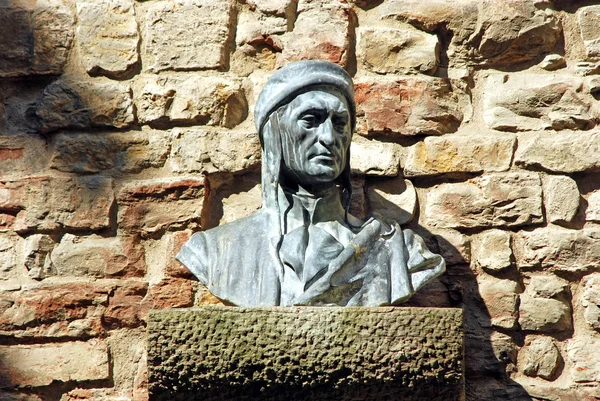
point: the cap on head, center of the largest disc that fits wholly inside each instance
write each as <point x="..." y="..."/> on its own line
<point x="299" y="77"/>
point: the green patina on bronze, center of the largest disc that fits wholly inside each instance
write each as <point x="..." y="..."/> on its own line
<point x="306" y="353"/>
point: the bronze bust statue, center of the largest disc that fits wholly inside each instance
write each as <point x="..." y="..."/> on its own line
<point x="303" y="247"/>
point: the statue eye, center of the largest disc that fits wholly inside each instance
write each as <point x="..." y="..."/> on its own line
<point x="309" y="121"/>
<point x="339" y="122"/>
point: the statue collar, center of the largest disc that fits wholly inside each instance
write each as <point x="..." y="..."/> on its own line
<point x="298" y="207"/>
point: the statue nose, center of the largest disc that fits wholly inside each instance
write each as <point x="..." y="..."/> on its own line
<point x="326" y="133"/>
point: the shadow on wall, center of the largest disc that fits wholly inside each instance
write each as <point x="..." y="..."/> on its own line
<point x="489" y="354"/>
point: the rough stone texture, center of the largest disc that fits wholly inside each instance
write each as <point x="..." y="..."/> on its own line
<point x="492" y="251"/>
<point x="114" y="153"/>
<point x="83" y="104"/>
<point x="525" y="102"/>
<point x="53" y="202"/>
<point x="393" y="200"/>
<point x="321" y="31"/>
<point x="501" y="299"/>
<point x="69" y="310"/>
<point x="454" y="247"/>
<point x="108" y="37"/>
<point x="190" y="100"/>
<point x="36" y="37"/>
<point x="22" y="155"/>
<point x="38" y="365"/>
<point x="555" y="248"/>
<point x="488" y="33"/>
<point x="38" y="261"/>
<point x="390" y="50"/>
<point x="540" y="357"/>
<point x="241" y="204"/>
<point x="169" y="45"/>
<point x="95" y="256"/>
<point x="544" y="305"/>
<point x="583" y="354"/>
<point x="298" y="352"/>
<point x="590" y="300"/>
<point x="375" y="158"/>
<point x="407" y="106"/>
<point x="568" y="153"/>
<point x="561" y="198"/>
<point x="197" y="151"/>
<point x="592" y="213"/>
<point x="589" y="21"/>
<point x="510" y="199"/>
<point x="459" y="154"/>
<point x="156" y="205"/>
<point x="9" y="249"/>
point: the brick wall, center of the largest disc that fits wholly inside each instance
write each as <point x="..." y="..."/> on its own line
<point x="127" y="125"/>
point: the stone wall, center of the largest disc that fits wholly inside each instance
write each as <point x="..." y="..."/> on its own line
<point x="127" y="125"/>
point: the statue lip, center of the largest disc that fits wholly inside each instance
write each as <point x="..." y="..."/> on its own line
<point x="323" y="157"/>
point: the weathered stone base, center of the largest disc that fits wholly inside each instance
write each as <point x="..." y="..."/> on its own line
<point x="304" y="353"/>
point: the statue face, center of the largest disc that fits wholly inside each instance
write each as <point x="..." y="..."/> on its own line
<point x="316" y="134"/>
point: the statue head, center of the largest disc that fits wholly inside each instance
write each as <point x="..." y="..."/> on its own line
<point x="305" y="117"/>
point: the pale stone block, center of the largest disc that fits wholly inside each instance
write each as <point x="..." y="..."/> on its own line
<point x="540" y="357"/>
<point x="38" y="261"/>
<point x="592" y="213"/>
<point x="321" y="32"/>
<point x="82" y="104"/>
<point x="394" y="200"/>
<point x="305" y="353"/>
<point x="108" y="36"/>
<point x="196" y="151"/>
<point x="560" y="249"/>
<point x="544" y="306"/>
<point x="35" y="37"/>
<point x="399" y="51"/>
<point x="589" y="24"/>
<point x="129" y="152"/>
<point x="242" y="204"/>
<point x="501" y="300"/>
<point x="459" y="154"/>
<point x="190" y="100"/>
<point x="561" y="198"/>
<point x="454" y="246"/>
<point x="494" y="200"/>
<point x="507" y="32"/>
<point x="96" y="256"/>
<point x="526" y="102"/>
<point x="22" y="155"/>
<point x="41" y="364"/>
<point x="10" y="247"/>
<point x="492" y="250"/>
<point x="583" y="354"/>
<point x="590" y="300"/>
<point x="375" y="158"/>
<point x="566" y="153"/>
<point x="188" y="34"/>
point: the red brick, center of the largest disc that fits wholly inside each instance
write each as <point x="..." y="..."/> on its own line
<point x="175" y="268"/>
<point x="125" y="305"/>
<point x="170" y="293"/>
<point x="407" y="106"/>
<point x="153" y="206"/>
<point x="47" y="203"/>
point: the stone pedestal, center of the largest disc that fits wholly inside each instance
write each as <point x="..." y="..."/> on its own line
<point x="305" y="353"/>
